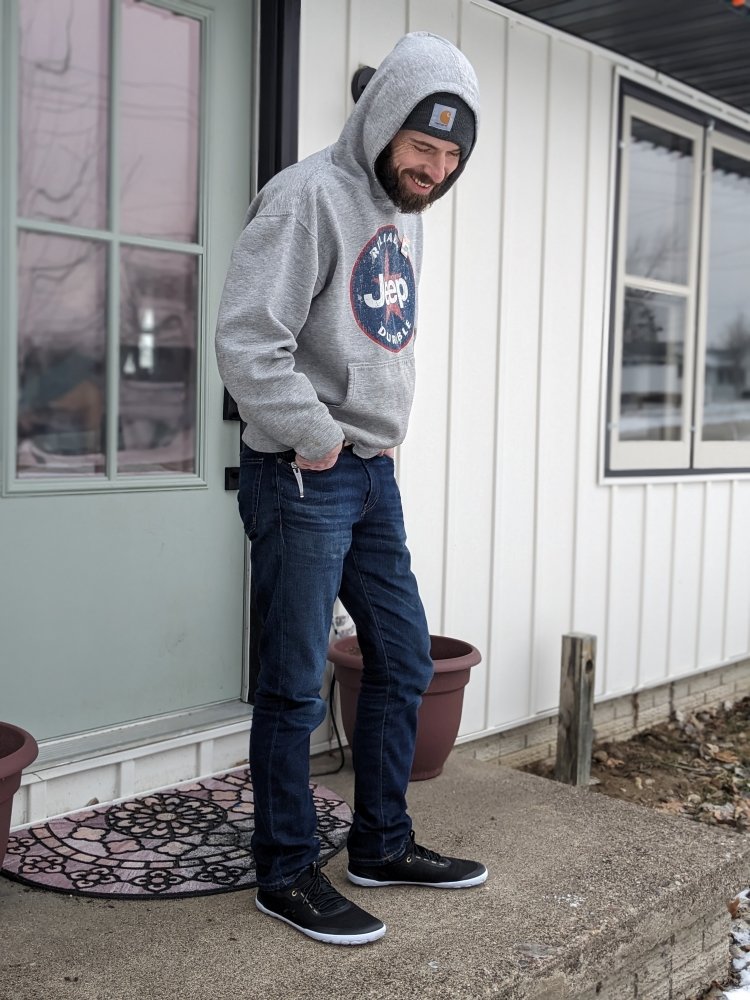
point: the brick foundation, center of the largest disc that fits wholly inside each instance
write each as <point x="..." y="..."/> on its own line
<point x="694" y="954"/>
<point x="618" y="718"/>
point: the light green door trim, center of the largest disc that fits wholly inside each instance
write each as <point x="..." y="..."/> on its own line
<point x="8" y="200"/>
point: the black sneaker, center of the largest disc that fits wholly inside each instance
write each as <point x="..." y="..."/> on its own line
<point x="313" y="906"/>
<point x="420" y="866"/>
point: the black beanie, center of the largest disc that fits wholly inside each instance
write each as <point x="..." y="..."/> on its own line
<point x="444" y="116"/>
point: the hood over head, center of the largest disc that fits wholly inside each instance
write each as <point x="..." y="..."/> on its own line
<point x="420" y="66"/>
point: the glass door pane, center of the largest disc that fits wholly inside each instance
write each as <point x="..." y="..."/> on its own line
<point x="63" y="115"/>
<point x="158" y="336"/>
<point x="62" y="322"/>
<point x="159" y="123"/>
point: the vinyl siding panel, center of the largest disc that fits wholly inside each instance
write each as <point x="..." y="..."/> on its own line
<point x="713" y="575"/>
<point x="560" y="332"/>
<point x="326" y="95"/>
<point x="656" y="586"/>
<point x="737" y="610"/>
<point x="592" y="505"/>
<point x="686" y="582"/>
<point x="619" y="664"/>
<point x="473" y="372"/>
<point x="521" y="244"/>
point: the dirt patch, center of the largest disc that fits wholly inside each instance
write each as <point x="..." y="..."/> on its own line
<point x="697" y="765"/>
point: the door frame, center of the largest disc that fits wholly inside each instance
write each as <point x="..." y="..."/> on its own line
<point x="277" y="90"/>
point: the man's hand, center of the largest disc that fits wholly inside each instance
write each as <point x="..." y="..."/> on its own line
<point x="320" y="464"/>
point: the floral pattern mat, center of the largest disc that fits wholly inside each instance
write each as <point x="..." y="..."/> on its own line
<point x="183" y="841"/>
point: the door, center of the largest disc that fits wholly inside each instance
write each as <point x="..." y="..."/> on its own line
<point x="121" y="581"/>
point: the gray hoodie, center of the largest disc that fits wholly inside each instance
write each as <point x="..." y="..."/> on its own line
<point x="316" y="329"/>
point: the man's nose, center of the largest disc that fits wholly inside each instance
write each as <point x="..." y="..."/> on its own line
<point x="437" y="168"/>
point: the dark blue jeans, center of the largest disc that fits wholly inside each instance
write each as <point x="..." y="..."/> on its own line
<point x="345" y="536"/>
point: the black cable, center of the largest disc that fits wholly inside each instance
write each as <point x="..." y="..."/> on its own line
<point x="323" y="774"/>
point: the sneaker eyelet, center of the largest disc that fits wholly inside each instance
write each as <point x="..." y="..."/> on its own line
<point x="294" y="892"/>
<point x="408" y="861"/>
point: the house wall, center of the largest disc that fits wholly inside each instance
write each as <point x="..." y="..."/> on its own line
<point x="618" y="718"/>
<point x="516" y="539"/>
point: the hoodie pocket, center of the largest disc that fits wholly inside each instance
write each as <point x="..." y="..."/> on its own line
<point x="379" y="397"/>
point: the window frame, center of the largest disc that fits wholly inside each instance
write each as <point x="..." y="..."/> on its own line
<point x="113" y="238"/>
<point x="691" y="457"/>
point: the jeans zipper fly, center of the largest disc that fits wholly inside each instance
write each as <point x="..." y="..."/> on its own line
<point x="298" y="476"/>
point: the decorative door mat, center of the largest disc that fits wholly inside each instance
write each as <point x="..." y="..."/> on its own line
<point x="184" y="841"/>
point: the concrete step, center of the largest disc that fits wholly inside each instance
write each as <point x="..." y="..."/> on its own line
<point x="588" y="898"/>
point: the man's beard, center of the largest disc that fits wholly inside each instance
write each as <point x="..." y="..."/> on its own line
<point x="405" y="201"/>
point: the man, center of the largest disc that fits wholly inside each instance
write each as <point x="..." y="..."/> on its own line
<point x="315" y="342"/>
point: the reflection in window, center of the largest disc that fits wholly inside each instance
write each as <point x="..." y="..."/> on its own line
<point x="726" y="411"/>
<point x="651" y="397"/>
<point x="62" y="307"/>
<point x="63" y="111"/>
<point x="659" y="203"/>
<point x="159" y="122"/>
<point x="158" y="330"/>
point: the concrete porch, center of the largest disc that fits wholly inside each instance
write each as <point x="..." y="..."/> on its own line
<point x="587" y="898"/>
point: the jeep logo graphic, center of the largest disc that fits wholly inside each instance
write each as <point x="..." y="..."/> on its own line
<point x="382" y="291"/>
<point x="392" y="290"/>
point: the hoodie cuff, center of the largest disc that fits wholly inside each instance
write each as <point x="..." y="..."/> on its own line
<point x="318" y="441"/>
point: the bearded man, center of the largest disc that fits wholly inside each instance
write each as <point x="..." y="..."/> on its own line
<point x="315" y="342"/>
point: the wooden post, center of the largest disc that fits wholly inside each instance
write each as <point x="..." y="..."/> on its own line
<point x="575" y="727"/>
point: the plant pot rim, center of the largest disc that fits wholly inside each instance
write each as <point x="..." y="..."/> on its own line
<point x="345" y="652"/>
<point x="13" y="763"/>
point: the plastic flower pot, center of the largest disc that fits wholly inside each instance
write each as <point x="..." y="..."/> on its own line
<point x="17" y="750"/>
<point x="440" y="712"/>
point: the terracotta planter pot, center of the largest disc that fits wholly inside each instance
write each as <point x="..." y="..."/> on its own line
<point x="440" y="711"/>
<point x="17" y="750"/>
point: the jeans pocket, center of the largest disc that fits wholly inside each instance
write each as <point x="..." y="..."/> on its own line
<point x="248" y="497"/>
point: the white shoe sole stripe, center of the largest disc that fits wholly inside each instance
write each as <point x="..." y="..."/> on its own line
<point x="351" y="939"/>
<point x="371" y="883"/>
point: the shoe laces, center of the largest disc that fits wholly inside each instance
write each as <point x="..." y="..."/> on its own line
<point x="422" y="853"/>
<point x="318" y="891"/>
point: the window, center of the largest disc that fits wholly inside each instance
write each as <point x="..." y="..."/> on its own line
<point x="107" y="243"/>
<point x="679" y="393"/>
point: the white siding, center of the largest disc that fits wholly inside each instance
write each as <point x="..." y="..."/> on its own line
<point x="473" y="388"/>
<point x="515" y="539"/>
<point x="521" y="242"/>
<point x="713" y="576"/>
<point x="656" y="588"/>
<point x="686" y="583"/>
<point x="736" y="624"/>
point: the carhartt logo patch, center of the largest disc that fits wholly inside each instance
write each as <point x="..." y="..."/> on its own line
<point x="443" y="117"/>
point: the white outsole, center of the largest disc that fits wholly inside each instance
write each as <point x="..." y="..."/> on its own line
<point x="352" y="939"/>
<point x="370" y="883"/>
